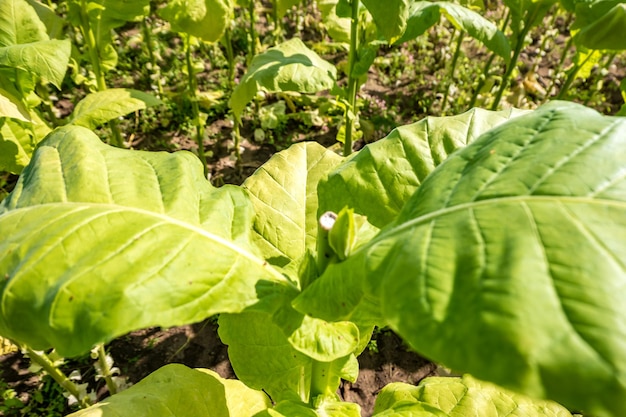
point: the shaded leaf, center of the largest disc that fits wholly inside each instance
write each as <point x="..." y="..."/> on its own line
<point x="16" y="146"/>
<point x="425" y="14"/>
<point x="389" y="16"/>
<point x="605" y="32"/>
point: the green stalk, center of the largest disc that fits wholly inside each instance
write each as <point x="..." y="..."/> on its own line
<point x="252" y="48"/>
<point x="485" y="75"/>
<point x="320" y="380"/>
<point x="559" y="68"/>
<point x="147" y="35"/>
<point x="455" y="58"/>
<point x="237" y="141"/>
<point x="94" y="57"/>
<point x="192" y="85"/>
<point x="353" y="82"/>
<point x="571" y="76"/>
<point x="106" y="370"/>
<point x="230" y="57"/>
<point x="44" y="361"/>
<point x="519" y="44"/>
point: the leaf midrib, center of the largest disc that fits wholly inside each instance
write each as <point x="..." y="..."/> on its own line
<point x="114" y="208"/>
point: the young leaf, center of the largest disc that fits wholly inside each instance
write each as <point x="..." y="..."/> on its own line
<point x="100" y="107"/>
<point x="390" y="170"/>
<point x="175" y="390"/>
<point x="99" y="241"/>
<point x="508" y="261"/>
<point x="47" y="60"/>
<point x="204" y="19"/>
<point x="284" y="194"/>
<point x="290" y="66"/>
<point x="460" y="397"/>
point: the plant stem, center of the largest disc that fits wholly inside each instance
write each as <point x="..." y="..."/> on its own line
<point x="320" y="378"/>
<point x="106" y="370"/>
<point x="237" y="142"/>
<point x="230" y="56"/>
<point x="44" y="361"/>
<point x="519" y="44"/>
<point x="252" y="48"/>
<point x="149" y="46"/>
<point x="571" y="76"/>
<point x="559" y="68"/>
<point x="455" y="58"/>
<point x="192" y="85"/>
<point x="485" y="75"/>
<point x="353" y="82"/>
<point x="94" y="57"/>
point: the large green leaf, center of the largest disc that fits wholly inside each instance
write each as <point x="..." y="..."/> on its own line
<point x="177" y="391"/>
<point x="98" y="241"/>
<point x="424" y="14"/>
<point x="205" y="19"/>
<point x="460" y="397"/>
<point x="508" y="262"/>
<point x="390" y="170"/>
<point x="100" y="107"/>
<point x="290" y="66"/>
<point x="284" y="194"/>
<point x="389" y="16"/>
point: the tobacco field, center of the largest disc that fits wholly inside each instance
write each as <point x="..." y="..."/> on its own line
<point x="312" y="208"/>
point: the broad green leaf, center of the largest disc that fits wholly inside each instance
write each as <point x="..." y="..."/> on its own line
<point x="100" y="107"/>
<point x="204" y="19"/>
<point x="508" y="262"/>
<point x="461" y="397"/>
<point x="290" y="66"/>
<point x="177" y="391"/>
<point x="99" y="241"/>
<point x="606" y="32"/>
<point x="20" y="24"/>
<point x="424" y="14"/>
<point x="284" y="194"/>
<point x="390" y="17"/>
<point x="390" y="170"/>
<point x="48" y="60"/>
<point x="16" y="146"/>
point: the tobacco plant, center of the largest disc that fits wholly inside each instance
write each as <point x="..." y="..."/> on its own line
<point x="30" y="59"/>
<point x="364" y="26"/>
<point x="490" y="241"/>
